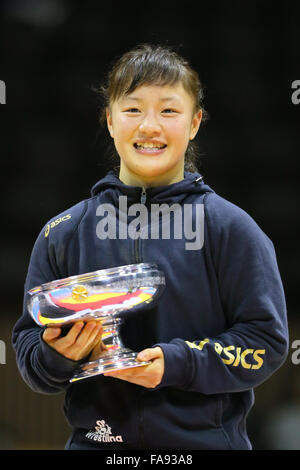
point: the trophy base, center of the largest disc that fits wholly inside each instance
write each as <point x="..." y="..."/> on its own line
<point x="125" y="359"/>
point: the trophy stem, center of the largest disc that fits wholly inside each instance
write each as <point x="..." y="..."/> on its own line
<point x="111" y="338"/>
<point x="115" y="357"/>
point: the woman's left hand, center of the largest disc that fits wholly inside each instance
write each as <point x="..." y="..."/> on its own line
<point x="148" y="376"/>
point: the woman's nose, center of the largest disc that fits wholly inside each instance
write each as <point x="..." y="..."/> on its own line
<point x="150" y="126"/>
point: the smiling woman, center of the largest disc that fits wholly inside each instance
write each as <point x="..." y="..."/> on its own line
<point x="148" y="67"/>
<point x="153" y="130"/>
<point x="220" y="326"/>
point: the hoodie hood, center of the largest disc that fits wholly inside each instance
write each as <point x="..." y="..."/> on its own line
<point x="192" y="183"/>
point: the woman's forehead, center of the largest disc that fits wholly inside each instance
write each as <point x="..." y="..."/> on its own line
<point x="164" y="93"/>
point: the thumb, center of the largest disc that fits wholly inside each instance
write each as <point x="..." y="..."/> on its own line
<point x="149" y="354"/>
<point x="51" y="333"/>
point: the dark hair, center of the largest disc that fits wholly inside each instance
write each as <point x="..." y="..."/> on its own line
<point x="149" y="64"/>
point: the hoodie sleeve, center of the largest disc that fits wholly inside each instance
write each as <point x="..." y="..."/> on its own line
<point x="41" y="367"/>
<point x="255" y="344"/>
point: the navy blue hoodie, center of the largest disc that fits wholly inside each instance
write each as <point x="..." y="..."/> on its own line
<point x="221" y="320"/>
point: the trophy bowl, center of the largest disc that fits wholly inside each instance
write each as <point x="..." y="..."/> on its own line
<point x="109" y="296"/>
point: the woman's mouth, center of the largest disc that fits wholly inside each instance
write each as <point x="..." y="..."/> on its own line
<point x="149" y="147"/>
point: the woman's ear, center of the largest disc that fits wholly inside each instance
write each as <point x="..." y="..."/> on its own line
<point x="196" y="121"/>
<point x="109" y="122"/>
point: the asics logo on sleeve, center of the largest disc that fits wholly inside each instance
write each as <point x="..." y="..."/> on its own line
<point x="234" y="355"/>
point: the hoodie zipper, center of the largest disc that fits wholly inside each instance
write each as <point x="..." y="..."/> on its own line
<point x="143" y="195"/>
<point x="137" y="250"/>
<point x="138" y="257"/>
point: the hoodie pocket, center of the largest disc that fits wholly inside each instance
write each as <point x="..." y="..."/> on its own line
<point x="105" y="410"/>
<point x="180" y="420"/>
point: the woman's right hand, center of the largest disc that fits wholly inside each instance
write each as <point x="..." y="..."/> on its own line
<point x="78" y="343"/>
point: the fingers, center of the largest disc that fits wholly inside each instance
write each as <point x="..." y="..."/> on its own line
<point x="90" y="335"/>
<point x="148" y="376"/>
<point x="84" y="342"/>
<point x="98" y="348"/>
<point x="73" y="334"/>
<point x="79" y="341"/>
<point x="149" y="354"/>
<point x="51" y="333"/>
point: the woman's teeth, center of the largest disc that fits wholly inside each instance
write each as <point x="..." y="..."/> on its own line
<point x="149" y="145"/>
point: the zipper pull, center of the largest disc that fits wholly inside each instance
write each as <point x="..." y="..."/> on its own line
<point x="199" y="179"/>
<point x="143" y="196"/>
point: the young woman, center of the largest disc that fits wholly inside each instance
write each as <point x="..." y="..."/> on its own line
<point x="220" y="327"/>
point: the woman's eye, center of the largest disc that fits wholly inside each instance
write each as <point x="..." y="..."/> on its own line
<point x="132" y="110"/>
<point x="169" y="111"/>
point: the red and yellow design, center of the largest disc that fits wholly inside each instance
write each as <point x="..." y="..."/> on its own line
<point x="77" y="300"/>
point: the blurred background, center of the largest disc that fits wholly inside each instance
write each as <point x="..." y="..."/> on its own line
<point x="52" y="53"/>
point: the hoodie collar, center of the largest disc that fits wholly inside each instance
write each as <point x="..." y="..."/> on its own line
<point x="192" y="183"/>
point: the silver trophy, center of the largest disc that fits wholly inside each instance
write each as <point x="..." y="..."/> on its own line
<point x="108" y="295"/>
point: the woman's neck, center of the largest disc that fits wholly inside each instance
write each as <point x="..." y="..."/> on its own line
<point x="132" y="179"/>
